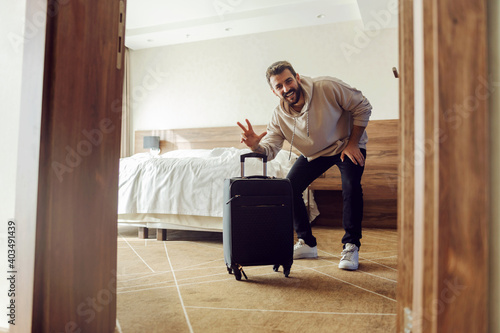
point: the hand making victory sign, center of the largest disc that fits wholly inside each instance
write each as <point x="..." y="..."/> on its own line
<point x="249" y="137"/>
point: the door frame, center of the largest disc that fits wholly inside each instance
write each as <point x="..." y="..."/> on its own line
<point x="443" y="208"/>
<point x="68" y="235"/>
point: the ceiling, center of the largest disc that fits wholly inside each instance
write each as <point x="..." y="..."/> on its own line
<point x="153" y="23"/>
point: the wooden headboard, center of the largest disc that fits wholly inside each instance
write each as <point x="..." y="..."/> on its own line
<point x="196" y="138"/>
<point x="380" y="178"/>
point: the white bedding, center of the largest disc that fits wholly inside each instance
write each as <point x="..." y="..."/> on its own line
<point x="187" y="182"/>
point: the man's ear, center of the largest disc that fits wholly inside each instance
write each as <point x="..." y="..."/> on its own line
<point x="297" y="76"/>
<point x="274" y="92"/>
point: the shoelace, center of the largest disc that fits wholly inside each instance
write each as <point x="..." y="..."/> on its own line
<point x="347" y="254"/>
<point x="298" y="245"/>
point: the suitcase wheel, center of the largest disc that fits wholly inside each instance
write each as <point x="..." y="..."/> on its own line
<point x="286" y="269"/>
<point x="229" y="270"/>
<point x="238" y="271"/>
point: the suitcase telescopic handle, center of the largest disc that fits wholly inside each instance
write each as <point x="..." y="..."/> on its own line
<point x="255" y="155"/>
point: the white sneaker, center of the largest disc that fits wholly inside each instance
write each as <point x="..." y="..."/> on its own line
<point x="350" y="258"/>
<point x="301" y="250"/>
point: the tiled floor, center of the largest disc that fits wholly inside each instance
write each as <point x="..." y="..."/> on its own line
<point x="182" y="285"/>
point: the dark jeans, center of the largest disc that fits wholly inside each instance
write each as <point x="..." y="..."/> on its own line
<point x="304" y="173"/>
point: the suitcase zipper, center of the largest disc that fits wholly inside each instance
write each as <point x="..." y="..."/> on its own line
<point x="236" y="196"/>
<point x="260" y="206"/>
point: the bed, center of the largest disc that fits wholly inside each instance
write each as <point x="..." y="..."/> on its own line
<point x="181" y="188"/>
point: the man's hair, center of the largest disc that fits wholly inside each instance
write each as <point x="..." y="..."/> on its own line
<point x="278" y="68"/>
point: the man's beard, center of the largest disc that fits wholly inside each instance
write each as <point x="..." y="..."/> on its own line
<point x="296" y="96"/>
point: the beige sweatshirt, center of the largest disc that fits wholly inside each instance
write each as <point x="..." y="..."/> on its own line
<point x="323" y="126"/>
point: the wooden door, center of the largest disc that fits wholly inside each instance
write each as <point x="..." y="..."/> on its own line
<point x="75" y="251"/>
<point x="444" y="205"/>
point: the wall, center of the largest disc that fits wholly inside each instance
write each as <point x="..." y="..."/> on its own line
<point x="11" y="25"/>
<point x="220" y="82"/>
<point x="22" y="45"/>
<point x="494" y="38"/>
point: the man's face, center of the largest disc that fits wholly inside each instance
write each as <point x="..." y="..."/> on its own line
<point x="286" y="86"/>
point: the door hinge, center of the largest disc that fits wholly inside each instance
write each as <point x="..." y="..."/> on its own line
<point x="121" y="33"/>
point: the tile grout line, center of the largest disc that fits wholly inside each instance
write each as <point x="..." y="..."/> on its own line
<point x="189" y="268"/>
<point x="203" y="263"/>
<point x="156" y="283"/>
<point x="395" y="240"/>
<point x="380" y="277"/>
<point x="203" y="282"/>
<point x="184" y="284"/>
<point x="291" y="311"/>
<point x="362" y="258"/>
<point x="185" y="279"/>
<point x="394" y="269"/>
<point x="140" y="274"/>
<point x="379" y="252"/>
<point x="205" y="245"/>
<point x="143" y="277"/>
<point x="162" y="287"/>
<point x="148" y="275"/>
<point x="378" y="258"/>
<point x="152" y="270"/>
<point x="123" y="289"/>
<point x="352" y="284"/>
<point x="302" y="268"/>
<point x="358" y="270"/>
<point x="191" y="284"/>
<point x="178" y="289"/>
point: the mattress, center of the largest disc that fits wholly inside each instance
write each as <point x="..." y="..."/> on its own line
<point x="183" y="189"/>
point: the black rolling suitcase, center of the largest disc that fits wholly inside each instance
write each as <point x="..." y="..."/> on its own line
<point x="257" y="221"/>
